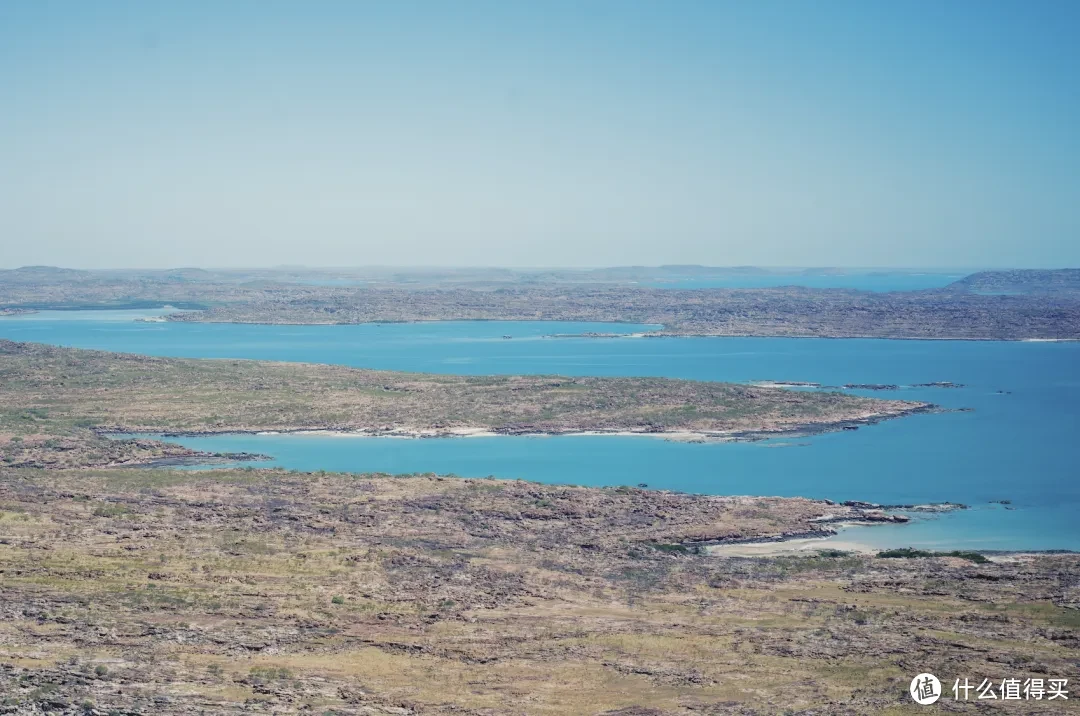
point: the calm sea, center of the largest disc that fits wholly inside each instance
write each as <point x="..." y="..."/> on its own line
<point x="1018" y="444"/>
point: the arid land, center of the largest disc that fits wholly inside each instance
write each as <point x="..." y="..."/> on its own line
<point x="790" y="312"/>
<point x="56" y="402"/>
<point x="130" y="590"/>
<point x="133" y="591"/>
<point x="1010" y="305"/>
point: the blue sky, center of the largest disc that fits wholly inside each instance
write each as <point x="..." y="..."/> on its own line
<point x="545" y="133"/>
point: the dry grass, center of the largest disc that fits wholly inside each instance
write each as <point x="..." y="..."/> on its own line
<point x="49" y="391"/>
<point x="236" y="590"/>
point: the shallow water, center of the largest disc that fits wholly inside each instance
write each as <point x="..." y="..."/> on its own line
<point x="1017" y="445"/>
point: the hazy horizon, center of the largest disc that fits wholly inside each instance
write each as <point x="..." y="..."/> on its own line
<point x="480" y="133"/>
<point x="523" y="268"/>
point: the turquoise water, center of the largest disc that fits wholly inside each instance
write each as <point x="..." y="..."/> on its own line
<point x="877" y="281"/>
<point x="1019" y="445"/>
<point x="837" y="466"/>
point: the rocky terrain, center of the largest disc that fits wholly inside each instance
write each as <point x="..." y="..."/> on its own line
<point x="256" y="591"/>
<point x="1020" y="281"/>
<point x="85" y="448"/>
<point x="55" y="402"/>
<point x="831" y="313"/>
<point x="126" y="590"/>
<point x="979" y="307"/>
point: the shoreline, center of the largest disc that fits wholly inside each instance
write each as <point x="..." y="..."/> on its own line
<point x="687" y="436"/>
<point x="661" y="333"/>
<point x="810" y="546"/>
<point x="651" y="334"/>
<point x="787" y="547"/>
<point x="849" y="337"/>
<point x="822" y="533"/>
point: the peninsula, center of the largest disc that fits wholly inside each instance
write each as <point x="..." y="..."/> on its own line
<point x="56" y="402"/>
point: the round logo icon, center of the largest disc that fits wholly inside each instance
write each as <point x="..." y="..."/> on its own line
<point x="925" y="689"/>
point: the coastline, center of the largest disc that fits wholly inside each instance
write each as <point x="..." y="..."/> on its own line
<point x="811" y="546"/>
<point x="801" y="336"/>
<point x="789" y="547"/>
<point x="409" y="432"/>
<point x="192" y="317"/>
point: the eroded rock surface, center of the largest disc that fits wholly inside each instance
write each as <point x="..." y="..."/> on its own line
<point x="263" y="591"/>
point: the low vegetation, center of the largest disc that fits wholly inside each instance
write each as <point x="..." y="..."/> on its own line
<point x="910" y="553"/>
<point x="55" y="401"/>
<point x="1011" y="305"/>
<point x="265" y="591"/>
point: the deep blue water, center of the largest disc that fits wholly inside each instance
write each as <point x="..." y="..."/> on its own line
<point x="876" y="281"/>
<point x="1020" y="445"/>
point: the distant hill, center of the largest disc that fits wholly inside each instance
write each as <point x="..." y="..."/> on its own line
<point x="646" y="273"/>
<point x="1020" y="281"/>
<point x="42" y="273"/>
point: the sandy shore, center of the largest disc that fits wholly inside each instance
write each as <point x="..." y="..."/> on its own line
<point x="1049" y="340"/>
<point x="808" y="546"/>
<point x="791" y="431"/>
<point x="477" y="432"/>
<point x="800" y="546"/>
<point x="461" y="432"/>
<point x="765" y="432"/>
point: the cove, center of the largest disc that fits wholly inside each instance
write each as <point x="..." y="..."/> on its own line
<point x="1018" y="443"/>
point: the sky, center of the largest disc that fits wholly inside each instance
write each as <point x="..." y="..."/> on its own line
<point x="511" y="133"/>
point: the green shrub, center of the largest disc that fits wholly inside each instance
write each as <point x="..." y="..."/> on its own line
<point x="970" y="556"/>
<point x="908" y="552"/>
<point x="112" y="511"/>
<point x="904" y="552"/>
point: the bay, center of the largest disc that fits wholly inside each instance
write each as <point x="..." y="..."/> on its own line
<point x="1018" y="444"/>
